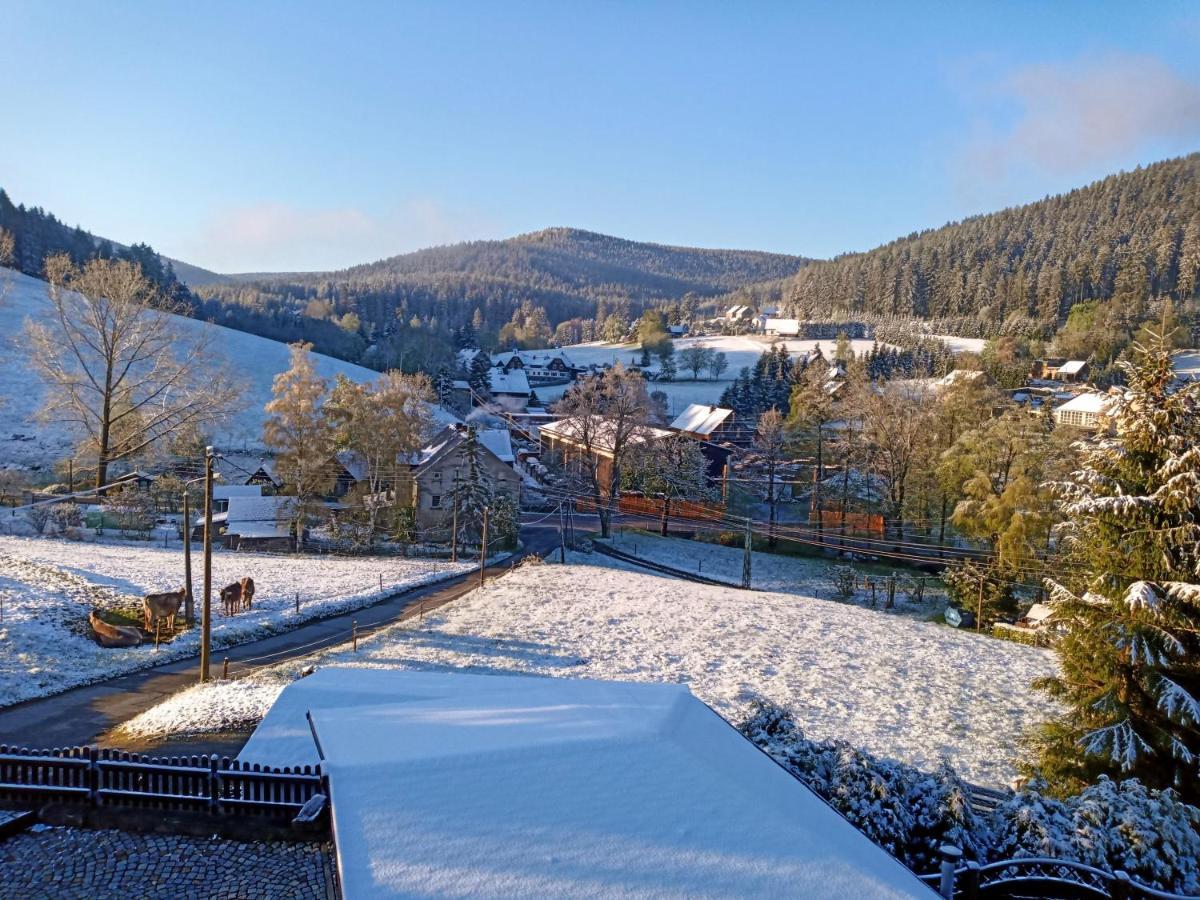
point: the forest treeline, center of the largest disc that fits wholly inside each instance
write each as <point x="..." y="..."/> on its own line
<point x="1125" y="240"/>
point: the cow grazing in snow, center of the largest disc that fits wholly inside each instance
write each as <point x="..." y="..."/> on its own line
<point x="162" y="606"/>
<point x="238" y="597"/>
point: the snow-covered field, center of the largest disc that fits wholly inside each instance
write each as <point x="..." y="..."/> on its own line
<point x="47" y="588"/>
<point x="740" y="350"/>
<point x="252" y="359"/>
<point x="908" y="690"/>
<point x="774" y="572"/>
<point x="962" y="344"/>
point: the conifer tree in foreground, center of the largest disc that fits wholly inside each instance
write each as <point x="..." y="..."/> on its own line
<point x="1130" y="658"/>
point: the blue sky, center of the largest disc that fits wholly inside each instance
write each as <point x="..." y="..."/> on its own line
<point x="261" y="136"/>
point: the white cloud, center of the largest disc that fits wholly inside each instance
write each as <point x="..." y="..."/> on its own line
<point x="1072" y="117"/>
<point x="281" y="237"/>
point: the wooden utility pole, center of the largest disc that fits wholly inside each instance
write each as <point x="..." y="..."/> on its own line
<point x="562" y="534"/>
<point x="206" y="610"/>
<point x="454" y="525"/>
<point x="189" y="606"/>
<point x="483" y="547"/>
<point x="746" y="556"/>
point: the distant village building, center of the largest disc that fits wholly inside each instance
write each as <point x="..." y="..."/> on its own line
<point x="438" y="468"/>
<point x="223" y="492"/>
<point x="1085" y="411"/>
<point x="540" y="366"/>
<point x="704" y="422"/>
<point x="739" y="314"/>
<point x="1057" y="368"/>
<point x="567" y="440"/>
<point x="258" y="523"/>
<point x="510" y="389"/>
<point x="782" y="327"/>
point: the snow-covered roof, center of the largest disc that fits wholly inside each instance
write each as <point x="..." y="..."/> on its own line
<point x="226" y="491"/>
<point x="260" y="517"/>
<point x="575" y="430"/>
<point x="494" y="785"/>
<point x="700" y="418"/>
<point x="782" y="326"/>
<point x="1072" y="367"/>
<point x="499" y="441"/>
<point x="354" y="463"/>
<point x="514" y="382"/>
<point x="1039" y="612"/>
<point x="1090" y="402"/>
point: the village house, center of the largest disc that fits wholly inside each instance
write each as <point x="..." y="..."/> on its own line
<point x="1084" y="411"/>
<point x="1057" y="368"/>
<point x="740" y="313"/>
<point x="782" y="327"/>
<point x="711" y="426"/>
<point x="540" y="366"/>
<point x="440" y="468"/>
<point x="509" y="390"/>
<point x="258" y="523"/>
<point x="223" y="492"/>
<point x="569" y="439"/>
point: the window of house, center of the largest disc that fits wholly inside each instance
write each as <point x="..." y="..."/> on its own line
<point x="435" y="501"/>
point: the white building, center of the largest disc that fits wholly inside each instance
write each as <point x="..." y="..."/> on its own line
<point x="1084" y="411"/>
<point x="782" y="327"/>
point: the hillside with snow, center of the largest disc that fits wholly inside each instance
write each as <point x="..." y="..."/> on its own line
<point x="253" y="360"/>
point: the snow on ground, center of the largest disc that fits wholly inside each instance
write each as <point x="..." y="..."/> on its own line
<point x="255" y="360"/>
<point x="962" y="344"/>
<point x="740" y="350"/>
<point x="47" y="588"/>
<point x="908" y="690"/>
<point x="775" y="572"/>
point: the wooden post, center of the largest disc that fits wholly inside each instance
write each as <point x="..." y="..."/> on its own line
<point x="157" y="629"/>
<point x="381" y="582"/>
<point x="206" y="609"/>
<point x="483" y="546"/>
<point x="70" y="476"/>
<point x="189" y="605"/>
<point x="297" y="603"/>
<point x="562" y="534"/>
<point x="746" y="555"/>
<point x="225" y="669"/>
<point x="354" y="634"/>
<point x="454" y="523"/>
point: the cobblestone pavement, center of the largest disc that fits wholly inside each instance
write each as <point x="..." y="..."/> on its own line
<point x="61" y="863"/>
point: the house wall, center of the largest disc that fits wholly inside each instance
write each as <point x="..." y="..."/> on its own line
<point x="434" y="488"/>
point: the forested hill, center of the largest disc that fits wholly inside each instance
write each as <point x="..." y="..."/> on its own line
<point x="586" y="262"/>
<point x="1129" y="239"/>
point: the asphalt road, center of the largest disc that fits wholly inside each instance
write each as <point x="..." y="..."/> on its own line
<point x="85" y="715"/>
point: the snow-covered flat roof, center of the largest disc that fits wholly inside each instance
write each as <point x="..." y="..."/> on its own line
<point x="700" y="418"/>
<point x="1072" y="367"/>
<point x="516" y="786"/>
<point x="1091" y="402"/>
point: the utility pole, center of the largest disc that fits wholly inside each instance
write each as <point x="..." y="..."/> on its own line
<point x="189" y="607"/>
<point x="562" y="534"/>
<point x="483" y="547"/>
<point x="746" y="556"/>
<point x="206" y="610"/>
<point x="70" y="476"/>
<point x="454" y="526"/>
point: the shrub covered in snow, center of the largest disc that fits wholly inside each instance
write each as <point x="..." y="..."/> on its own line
<point x="1150" y="834"/>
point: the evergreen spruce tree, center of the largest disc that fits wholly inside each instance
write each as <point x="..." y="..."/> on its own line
<point x="479" y="377"/>
<point x="1130" y="657"/>
<point x="474" y="487"/>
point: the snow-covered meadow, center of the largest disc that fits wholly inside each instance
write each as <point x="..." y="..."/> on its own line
<point x="739" y="350"/>
<point x="807" y="576"/>
<point x="908" y="690"/>
<point x="48" y="586"/>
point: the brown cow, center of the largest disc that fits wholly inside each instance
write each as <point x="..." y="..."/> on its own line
<point x="231" y="598"/>
<point x="247" y="585"/>
<point x="162" y="606"/>
<point x="238" y="597"/>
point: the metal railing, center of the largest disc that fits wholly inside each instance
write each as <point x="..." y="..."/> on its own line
<point x="1036" y="876"/>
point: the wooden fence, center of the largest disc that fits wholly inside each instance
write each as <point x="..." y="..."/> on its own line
<point x="109" y="778"/>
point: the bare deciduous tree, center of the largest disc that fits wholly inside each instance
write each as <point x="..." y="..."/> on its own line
<point x="770" y="441"/>
<point x="120" y="372"/>
<point x="606" y="415"/>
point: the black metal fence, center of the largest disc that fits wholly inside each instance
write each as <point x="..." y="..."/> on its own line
<point x="112" y="778"/>
<point x="1036" y="877"/>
